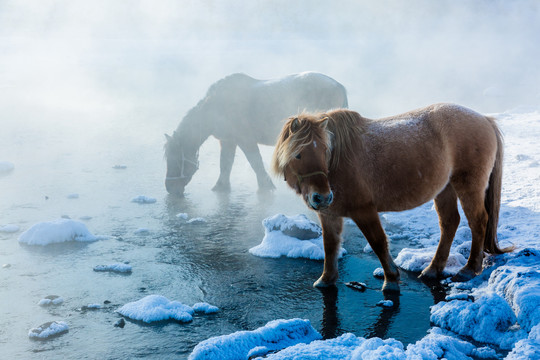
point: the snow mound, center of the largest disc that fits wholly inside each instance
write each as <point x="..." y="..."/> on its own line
<point x="57" y="231"/>
<point x="280" y="238"/>
<point x="48" y="330"/>
<point x="118" y="267"/>
<point x="486" y="320"/>
<point x="275" y="335"/>
<point x="417" y="260"/>
<point x="141" y="199"/>
<point x="158" y="308"/>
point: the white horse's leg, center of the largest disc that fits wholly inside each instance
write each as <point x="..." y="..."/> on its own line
<point x="253" y="155"/>
<point x="226" y="160"/>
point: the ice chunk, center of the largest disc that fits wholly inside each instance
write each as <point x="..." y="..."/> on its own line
<point x="62" y="230"/>
<point x="48" y="330"/>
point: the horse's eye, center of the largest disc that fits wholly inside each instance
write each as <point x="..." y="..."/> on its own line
<point x="298" y="156"/>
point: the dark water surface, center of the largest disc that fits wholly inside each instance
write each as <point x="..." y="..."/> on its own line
<point x="189" y="263"/>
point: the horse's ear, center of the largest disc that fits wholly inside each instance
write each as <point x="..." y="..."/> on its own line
<point x="168" y="137"/>
<point x="295" y="125"/>
<point x="324" y="122"/>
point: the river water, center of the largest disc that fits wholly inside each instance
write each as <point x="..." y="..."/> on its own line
<point x="55" y="157"/>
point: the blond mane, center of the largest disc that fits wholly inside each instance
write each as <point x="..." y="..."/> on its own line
<point x="337" y="129"/>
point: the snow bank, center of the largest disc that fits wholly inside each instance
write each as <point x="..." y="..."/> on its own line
<point x="275" y="335"/>
<point x="48" y="330"/>
<point x="118" y="267"/>
<point x="57" y="231"/>
<point x="158" y="308"/>
<point x="141" y="199"/>
<point x="294" y="237"/>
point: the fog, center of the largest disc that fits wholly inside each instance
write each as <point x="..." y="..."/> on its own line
<point x="159" y="57"/>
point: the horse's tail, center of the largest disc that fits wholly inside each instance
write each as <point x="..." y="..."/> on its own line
<point x="492" y="200"/>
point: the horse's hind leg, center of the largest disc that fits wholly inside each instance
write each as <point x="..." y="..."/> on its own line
<point x="253" y="155"/>
<point x="446" y="206"/>
<point x="473" y="206"/>
<point x="226" y="160"/>
<point x="370" y="225"/>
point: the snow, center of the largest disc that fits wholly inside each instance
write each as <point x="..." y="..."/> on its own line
<point x="158" y="308"/>
<point x="9" y="228"/>
<point x="48" y="330"/>
<point x="117" y="267"/>
<point x="141" y="199"/>
<point x="275" y="335"/>
<point x="386" y="303"/>
<point x="51" y="300"/>
<point x="57" y="231"/>
<point x="283" y="237"/>
<point x="496" y="311"/>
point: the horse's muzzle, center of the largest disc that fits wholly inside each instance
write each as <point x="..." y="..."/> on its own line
<point x="319" y="201"/>
<point x="174" y="187"/>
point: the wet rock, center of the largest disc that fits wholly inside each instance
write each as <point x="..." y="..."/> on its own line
<point x="120" y="323"/>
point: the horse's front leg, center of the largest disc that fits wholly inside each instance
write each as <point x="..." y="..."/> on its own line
<point x="331" y="229"/>
<point x="226" y="160"/>
<point x="253" y="155"/>
<point x="370" y="225"/>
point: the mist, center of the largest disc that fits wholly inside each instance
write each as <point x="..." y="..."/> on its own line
<point x="160" y="57"/>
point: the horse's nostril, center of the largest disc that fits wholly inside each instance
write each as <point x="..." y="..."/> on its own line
<point x="316" y="198"/>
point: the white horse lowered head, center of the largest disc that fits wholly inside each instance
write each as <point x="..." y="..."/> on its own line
<point x="241" y="111"/>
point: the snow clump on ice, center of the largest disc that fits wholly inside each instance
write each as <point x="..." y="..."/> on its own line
<point x="158" y="308"/>
<point x="48" y="330"/>
<point x="118" y="268"/>
<point x="294" y="237"/>
<point x="57" y="231"/>
<point x="51" y="300"/>
<point x="141" y="199"/>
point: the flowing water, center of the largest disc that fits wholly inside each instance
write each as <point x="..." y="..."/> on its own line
<point x="186" y="262"/>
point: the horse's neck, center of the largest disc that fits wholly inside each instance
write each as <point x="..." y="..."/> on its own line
<point x="194" y="128"/>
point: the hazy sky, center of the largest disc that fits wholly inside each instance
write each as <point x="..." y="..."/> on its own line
<point x="391" y="55"/>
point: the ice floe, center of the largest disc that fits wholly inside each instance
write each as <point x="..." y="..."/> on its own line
<point x="294" y="236"/>
<point x="57" y="231"/>
<point x="154" y="308"/>
<point x="9" y="228"/>
<point x="48" y="330"/>
<point x="117" y="267"/>
<point x="141" y="199"/>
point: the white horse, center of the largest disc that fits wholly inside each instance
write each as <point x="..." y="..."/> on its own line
<point x="241" y="111"/>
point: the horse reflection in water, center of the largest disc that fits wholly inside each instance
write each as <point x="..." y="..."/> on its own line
<point x="344" y="165"/>
<point x="241" y="111"/>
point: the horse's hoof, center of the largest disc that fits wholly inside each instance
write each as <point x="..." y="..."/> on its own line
<point x="463" y="275"/>
<point x="429" y="273"/>
<point x="323" y="284"/>
<point x="390" y="287"/>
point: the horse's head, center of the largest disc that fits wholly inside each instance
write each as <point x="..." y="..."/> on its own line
<point x="182" y="163"/>
<point x="302" y="156"/>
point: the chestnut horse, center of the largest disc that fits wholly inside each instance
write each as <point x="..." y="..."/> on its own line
<point x="344" y="165"/>
<point x="241" y="111"/>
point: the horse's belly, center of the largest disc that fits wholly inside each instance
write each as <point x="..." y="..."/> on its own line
<point x="411" y="192"/>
